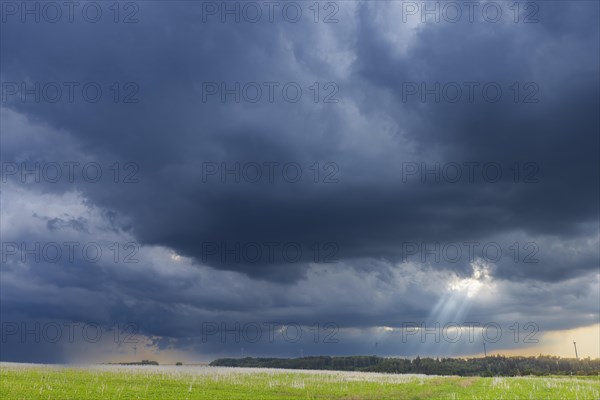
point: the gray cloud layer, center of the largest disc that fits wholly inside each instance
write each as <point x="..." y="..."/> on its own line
<point x="368" y="216"/>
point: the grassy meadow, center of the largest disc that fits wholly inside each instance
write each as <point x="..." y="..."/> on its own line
<point x="31" y="381"/>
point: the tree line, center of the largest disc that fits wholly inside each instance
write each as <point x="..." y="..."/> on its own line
<point x="481" y="366"/>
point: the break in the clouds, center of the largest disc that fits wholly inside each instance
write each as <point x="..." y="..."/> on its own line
<point x="361" y="165"/>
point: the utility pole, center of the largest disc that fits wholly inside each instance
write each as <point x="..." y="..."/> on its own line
<point x="301" y="353"/>
<point x="484" y="350"/>
<point x="575" y="345"/>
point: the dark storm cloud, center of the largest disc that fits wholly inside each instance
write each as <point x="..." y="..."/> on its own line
<point x="171" y="133"/>
<point x="365" y="206"/>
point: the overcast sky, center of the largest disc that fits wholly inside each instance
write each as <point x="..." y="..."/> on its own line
<point x="285" y="179"/>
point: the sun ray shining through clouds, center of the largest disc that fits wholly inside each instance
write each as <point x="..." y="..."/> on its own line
<point x="453" y="307"/>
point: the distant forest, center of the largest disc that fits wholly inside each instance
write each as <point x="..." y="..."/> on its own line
<point x="482" y="366"/>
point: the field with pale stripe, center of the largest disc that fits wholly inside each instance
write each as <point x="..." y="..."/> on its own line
<point x="37" y="381"/>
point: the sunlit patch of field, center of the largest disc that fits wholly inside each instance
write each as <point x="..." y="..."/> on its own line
<point x="34" y="381"/>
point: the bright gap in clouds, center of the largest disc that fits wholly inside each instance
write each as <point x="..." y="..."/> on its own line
<point x="455" y="303"/>
<point x="469" y="287"/>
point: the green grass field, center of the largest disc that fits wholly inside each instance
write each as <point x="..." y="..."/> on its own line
<point x="21" y="381"/>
